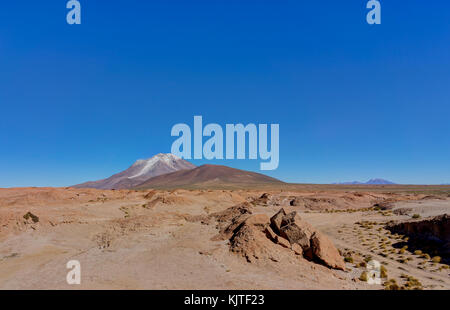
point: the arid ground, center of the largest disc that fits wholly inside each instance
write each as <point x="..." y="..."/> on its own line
<point x="174" y="239"/>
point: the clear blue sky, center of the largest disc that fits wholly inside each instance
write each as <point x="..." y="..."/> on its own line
<point x="353" y="101"/>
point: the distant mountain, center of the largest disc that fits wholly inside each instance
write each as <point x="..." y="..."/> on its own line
<point x="141" y="171"/>
<point x="379" y="182"/>
<point x="208" y="176"/>
<point x="370" y="182"/>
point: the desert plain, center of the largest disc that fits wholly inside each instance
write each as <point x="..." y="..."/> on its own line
<point x="187" y="238"/>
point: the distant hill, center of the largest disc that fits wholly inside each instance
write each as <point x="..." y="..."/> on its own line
<point x="379" y="181"/>
<point x="370" y="182"/>
<point x="141" y="171"/>
<point x="208" y="176"/>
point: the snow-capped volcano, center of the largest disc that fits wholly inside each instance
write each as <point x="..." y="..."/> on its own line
<point x="141" y="171"/>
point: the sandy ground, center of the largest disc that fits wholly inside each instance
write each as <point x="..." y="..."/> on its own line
<point x="148" y="240"/>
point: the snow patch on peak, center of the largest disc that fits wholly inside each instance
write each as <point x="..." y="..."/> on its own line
<point x="167" y="156"/>
<point x="148" y="164"/>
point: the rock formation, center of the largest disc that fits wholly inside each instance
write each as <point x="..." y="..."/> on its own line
<point x="255" y="236"/>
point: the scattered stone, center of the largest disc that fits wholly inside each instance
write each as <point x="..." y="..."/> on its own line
<point x="384" y="205"/>
<point x="297" y="202"/>
<point x="402" y="211"/>
<point x="31" y="216"/>
<point x="264" y="199"/>
<point x="150" y="195"/>
<point x="297" y="249"/>
<point x="283" y="242"/>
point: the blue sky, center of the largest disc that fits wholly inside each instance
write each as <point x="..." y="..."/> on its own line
<point x="353" y="101"/>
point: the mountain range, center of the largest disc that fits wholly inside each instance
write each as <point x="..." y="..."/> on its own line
<point x="170" y="171"/>
<point x="370" y="182"/>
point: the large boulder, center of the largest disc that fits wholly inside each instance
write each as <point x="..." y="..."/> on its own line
<point x="296" y="230"/>
<point x="306" y="240"/>
<point x="325" y="251"/>
<point x="295" y="234"/>
<point x="258" y="237"/>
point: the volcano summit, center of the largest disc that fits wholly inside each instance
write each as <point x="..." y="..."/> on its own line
<point x="141" y="171"/>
